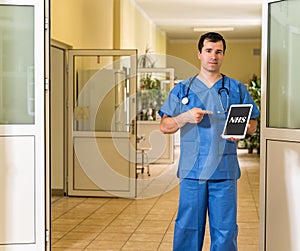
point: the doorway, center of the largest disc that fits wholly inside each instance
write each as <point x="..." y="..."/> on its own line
<point x="58" y="111"/>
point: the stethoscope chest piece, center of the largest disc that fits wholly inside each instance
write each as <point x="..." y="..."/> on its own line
<point x="185" y="100"/>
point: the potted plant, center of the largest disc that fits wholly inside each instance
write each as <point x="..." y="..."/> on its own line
<point x="148" y="83"/>
<point x="145" y="61"/>
<point x="150" y="97"/>
<point x="253" y="141"/>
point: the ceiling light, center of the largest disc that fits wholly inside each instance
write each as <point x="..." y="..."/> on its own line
<point x="199" y="29"/>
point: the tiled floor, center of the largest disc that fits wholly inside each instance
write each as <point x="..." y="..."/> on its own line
<point x="95" y="224"/>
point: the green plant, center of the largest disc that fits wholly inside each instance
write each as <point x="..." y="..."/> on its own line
<point x="147" y="82"/>
<point x="255" y="89"/>
<point x="253" y="141"/>
<point x="150" y="96"/>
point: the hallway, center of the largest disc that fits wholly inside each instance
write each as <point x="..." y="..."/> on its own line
<point x="95" y="224"/>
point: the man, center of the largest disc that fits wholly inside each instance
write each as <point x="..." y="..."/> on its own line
<point x="208" y="166"/>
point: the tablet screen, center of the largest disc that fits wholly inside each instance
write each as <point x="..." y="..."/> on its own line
<point x="237" y="121"/>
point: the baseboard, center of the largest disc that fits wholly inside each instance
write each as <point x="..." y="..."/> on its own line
<point x="57" y="192"/>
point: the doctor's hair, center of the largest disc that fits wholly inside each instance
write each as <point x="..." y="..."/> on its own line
<point x="211" y="37"/>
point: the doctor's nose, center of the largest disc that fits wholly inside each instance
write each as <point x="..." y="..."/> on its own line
<point x="215" y="54"/>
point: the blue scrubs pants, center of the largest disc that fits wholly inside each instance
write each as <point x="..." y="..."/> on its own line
<point x="218" y="199"/>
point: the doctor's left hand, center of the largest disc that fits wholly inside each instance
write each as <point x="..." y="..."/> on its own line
<point x="252" y="126"/>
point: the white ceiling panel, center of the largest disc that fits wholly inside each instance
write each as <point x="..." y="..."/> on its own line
<point x="178" y="18"/>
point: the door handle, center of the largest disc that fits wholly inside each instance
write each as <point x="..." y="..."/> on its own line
<point x="132" y="126"/>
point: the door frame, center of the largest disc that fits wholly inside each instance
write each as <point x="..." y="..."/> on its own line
<point x="64" y="47"/>
<point x="81" y="135"/>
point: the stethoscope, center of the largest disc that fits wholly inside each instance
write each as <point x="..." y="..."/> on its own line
<point x="185" y="99"/>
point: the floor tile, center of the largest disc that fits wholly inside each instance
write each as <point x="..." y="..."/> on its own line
<point x="105" y="245"/>
<point x="147" y="223"/>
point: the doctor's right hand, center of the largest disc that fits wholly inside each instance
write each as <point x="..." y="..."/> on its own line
<point x="195" y="115"/>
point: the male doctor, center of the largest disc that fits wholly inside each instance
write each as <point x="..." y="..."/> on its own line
<point x="208" y="167"/>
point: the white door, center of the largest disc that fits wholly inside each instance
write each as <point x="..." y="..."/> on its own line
<point x="280" y="130"/>
<point x="58" y="115"/>
<point x="102" y="122"/>
<point x="22" y="126"/>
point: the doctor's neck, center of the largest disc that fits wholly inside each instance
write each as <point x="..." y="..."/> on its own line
<point x="209" y="78"/>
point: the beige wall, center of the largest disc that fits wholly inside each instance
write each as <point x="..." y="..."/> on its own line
<point x="83" y="23"/>
<point x="161" y="42"/>
<point x="139" y="32"/>
<point x="94" y="24"/>
<point x="239" y="62"/>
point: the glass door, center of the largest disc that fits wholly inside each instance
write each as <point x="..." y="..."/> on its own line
<point x="102" y="122"/>
<point x="22" y="126"/>
<point x="280" y="138"/>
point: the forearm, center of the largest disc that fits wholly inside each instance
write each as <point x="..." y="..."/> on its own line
<point x="172" y="124"/>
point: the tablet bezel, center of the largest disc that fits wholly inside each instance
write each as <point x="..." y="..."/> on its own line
<point x="226" y="123"/>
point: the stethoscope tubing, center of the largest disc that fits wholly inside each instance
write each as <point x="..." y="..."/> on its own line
<point x="185" y="99"/>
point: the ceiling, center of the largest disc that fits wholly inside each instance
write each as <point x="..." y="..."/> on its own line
<point x="178" y="18"/>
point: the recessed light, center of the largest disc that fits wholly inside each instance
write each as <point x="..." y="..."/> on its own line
<point x="199" y="29"/>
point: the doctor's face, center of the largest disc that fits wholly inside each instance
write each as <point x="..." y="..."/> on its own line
<point x="211" y="56"/>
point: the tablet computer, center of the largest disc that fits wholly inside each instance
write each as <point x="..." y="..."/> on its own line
<point x="237" y="121"/>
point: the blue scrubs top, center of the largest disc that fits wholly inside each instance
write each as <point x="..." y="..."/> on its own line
<point x="204" y="154"/>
